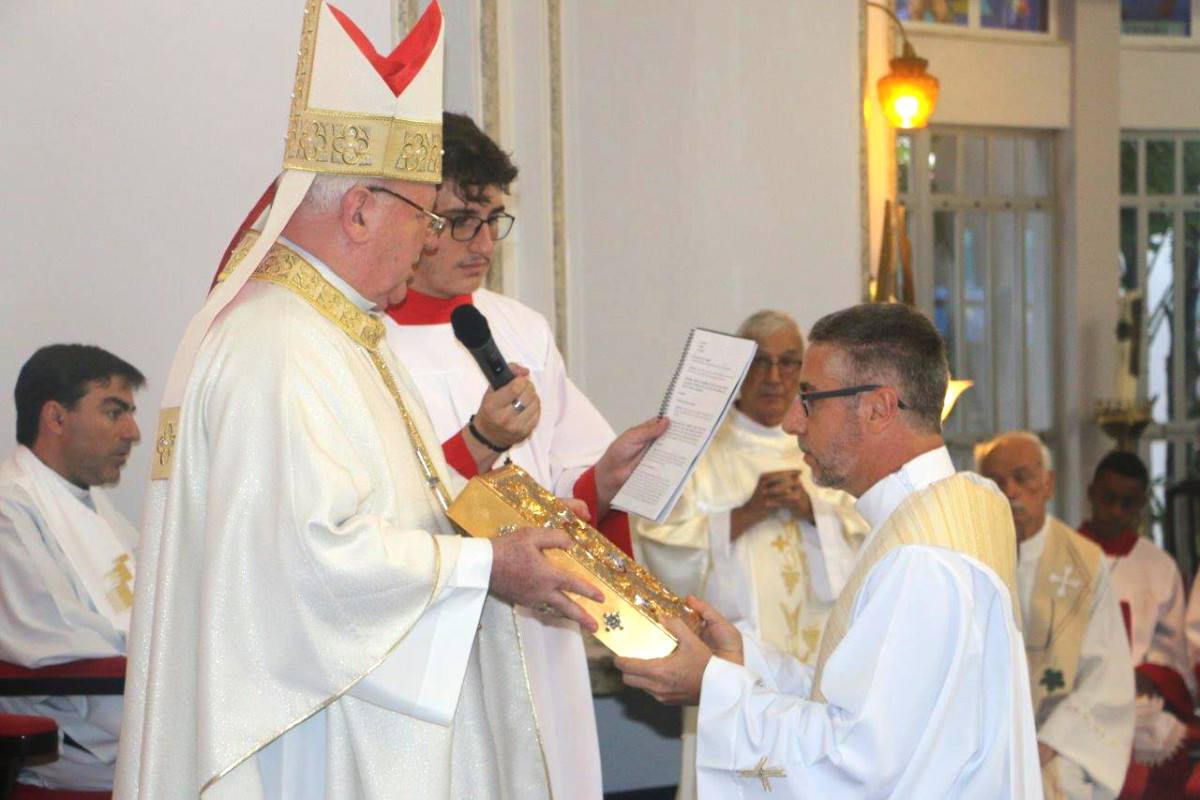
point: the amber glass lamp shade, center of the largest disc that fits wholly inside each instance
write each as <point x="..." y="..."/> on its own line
<point x="908" y="93"/>
<point x="953" y="391"/>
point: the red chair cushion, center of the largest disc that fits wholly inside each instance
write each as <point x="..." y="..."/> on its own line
<point x="88" y="668"/>
<point x="23" y="792"/>
<point x="14" y="725"/>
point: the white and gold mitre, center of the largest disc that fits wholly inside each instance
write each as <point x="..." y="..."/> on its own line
<point x="356" y="112"/>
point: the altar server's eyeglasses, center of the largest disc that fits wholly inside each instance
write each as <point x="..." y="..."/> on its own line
<point x="788" y="366"/>
<point x="436" y="224"/>
<point x="467" y="227"/>
<point x="806" y="398"/>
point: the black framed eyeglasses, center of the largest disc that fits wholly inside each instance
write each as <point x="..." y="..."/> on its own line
<point x="437" y="224"/>
<point x="806" y="398"/>
<point x="467" y="227"/>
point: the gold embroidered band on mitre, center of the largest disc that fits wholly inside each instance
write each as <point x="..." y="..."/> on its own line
<point x="955" y="513"/>
<point x="342" y="143"/>
<point x="1059" y="611"/>
<point x="338" y="143"/>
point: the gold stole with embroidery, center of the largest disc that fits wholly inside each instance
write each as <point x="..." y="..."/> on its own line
<point x="955" y="513"/>
<point x="288" y="269"/>
<point x="1059" y="610"/>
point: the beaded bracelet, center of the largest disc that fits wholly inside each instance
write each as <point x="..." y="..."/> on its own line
<point x="475" y="432"/>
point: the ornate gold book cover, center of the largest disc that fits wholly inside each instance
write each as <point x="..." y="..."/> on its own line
<point x="635" y="601"/>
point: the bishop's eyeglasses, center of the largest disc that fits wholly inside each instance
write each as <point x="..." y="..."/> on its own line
<point x="807" y="398"/>
<point x="437" y="224"/>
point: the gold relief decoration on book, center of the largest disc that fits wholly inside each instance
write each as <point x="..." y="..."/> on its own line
<point x="636" y="602"/>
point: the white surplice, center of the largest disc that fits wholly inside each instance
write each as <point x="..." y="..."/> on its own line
<point x="570" y="437"/>
<point x="49" y="616"/>
<point x="928" y="692"/>
<point x="305" y="625"/>
<point x="1091" y="728"/>
<point x="1147" y="579"/>
<point x="1192" y="628"/>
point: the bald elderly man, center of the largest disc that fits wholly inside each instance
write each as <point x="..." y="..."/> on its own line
<point x="1080" y="672"/>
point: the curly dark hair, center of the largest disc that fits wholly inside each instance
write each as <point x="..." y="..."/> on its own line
<point x="62" y="373"/>
<point x="472" y="160"/>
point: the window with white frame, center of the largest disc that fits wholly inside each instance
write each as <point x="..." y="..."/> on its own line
<point x="1160" y="261"/>
<point x="979" y="214"/>
<point x="1027" y="16"/>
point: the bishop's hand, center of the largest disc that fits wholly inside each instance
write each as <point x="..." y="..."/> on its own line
<point x="522" y="575"/>
<point x="677" y="679"/>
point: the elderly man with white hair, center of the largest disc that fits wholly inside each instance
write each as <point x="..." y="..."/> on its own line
<point x="1079" y="668"/>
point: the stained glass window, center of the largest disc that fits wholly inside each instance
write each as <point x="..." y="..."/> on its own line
<point x="1156" y="17"/>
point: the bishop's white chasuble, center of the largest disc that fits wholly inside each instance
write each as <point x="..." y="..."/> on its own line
<point x="306" y="625"/>
<point x="67" y="562"/>
<point x="570" y="437"/>
<point x="921" y="686"/>
<point x="1080" y="672"/>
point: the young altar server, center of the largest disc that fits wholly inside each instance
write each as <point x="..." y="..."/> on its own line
<point x="541" y="421"/>
<point x="1150" y="590"/>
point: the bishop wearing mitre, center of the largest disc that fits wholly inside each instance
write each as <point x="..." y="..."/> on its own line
<point x="306" y="623"/>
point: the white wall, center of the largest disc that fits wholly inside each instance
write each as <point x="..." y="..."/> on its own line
<point x="138" y="135"/>
<point x="713" y="160"/>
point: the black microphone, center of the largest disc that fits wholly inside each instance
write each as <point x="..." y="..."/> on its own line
<point x="471" y="329"/>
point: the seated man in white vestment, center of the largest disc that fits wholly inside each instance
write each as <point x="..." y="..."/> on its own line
<point x="540" y="420"/>
<point x="67" y="556"/>
<point x="920" y="688"/>
<point x="751" y="533"/>
<point x="307" y="624"/>
<point x="1080" y="673"/>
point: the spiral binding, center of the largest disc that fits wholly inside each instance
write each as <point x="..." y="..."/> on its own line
<point x="666" y="401"/>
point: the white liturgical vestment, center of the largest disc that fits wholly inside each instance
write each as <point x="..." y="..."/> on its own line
<point x="925" y="695"/>
<point x="779" y="579"/>
<point x="570" y="437"/>
<point x="60" y="601"/>
<point x="306" y="626"/>
<point x="1090" y="723"/>
<point x="1147" y="580"/>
